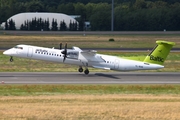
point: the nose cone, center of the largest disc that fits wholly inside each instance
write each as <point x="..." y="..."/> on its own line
<point x="7" y="52"/>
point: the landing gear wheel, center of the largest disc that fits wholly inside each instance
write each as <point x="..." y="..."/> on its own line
<point x="86" y="72"/>
<point x="80" y="69"/>
<point x="11" y="59"/>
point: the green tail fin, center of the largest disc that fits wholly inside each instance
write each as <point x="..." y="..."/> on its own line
<point x="159" y="53"/>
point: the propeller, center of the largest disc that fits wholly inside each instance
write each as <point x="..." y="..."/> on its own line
<point x="60" y="46"/>
<point x="65" y="52"/>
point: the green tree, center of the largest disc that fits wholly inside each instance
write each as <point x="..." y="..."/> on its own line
<point x="6" y="26"/>
<point x="54" y="25"/>
<point x="11" y="25"/>
<point x="81" y="23"/>
<point x="159" y="4"/>
<point x="129" y="14"/>
<point x="101" y="18"/>
<point x="70" y="26"/>
<point x="46" y="25"/>
<point x="66" y="8"/>
<point x="63" y="26"/>
<point x="140" y="4"/>
<point x="80" y="9"/>
<point x="89" y="9"/>
<point x="119" y="17"/>
<point x="35" y="6"/>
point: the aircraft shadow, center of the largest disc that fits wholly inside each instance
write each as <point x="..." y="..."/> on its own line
<point x="106" y="75"/>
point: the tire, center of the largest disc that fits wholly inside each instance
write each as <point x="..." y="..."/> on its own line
<point x="80" y="70"/>
<point x="86" y="72"/>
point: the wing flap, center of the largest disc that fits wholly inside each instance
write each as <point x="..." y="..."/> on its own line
<point x="91" y="56"/>
<point x="100" y="67"/>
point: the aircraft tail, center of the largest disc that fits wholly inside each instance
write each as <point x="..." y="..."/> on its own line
<point x="159" y="54"/>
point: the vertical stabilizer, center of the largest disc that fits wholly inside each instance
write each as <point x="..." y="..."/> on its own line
<point x="159" y="54"/>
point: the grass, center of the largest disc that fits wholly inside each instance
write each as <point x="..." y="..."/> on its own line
<point x="91" y="107"/>
<point x="89" y="41"/>
<point x="34" y="90"/>
<point x="79" y="102"/>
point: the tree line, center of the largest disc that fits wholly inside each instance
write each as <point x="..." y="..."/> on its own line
<point x="39" y="24"/>
<point x="151" y="15"/>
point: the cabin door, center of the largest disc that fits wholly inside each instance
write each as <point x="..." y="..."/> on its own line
<point x="30" y="52"/>
<point x="116" y="64"/>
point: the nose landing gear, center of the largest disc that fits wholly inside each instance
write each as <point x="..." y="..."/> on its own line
<point x="11" y="59"/>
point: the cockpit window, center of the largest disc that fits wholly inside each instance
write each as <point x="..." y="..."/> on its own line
<point x="18" y="47"/>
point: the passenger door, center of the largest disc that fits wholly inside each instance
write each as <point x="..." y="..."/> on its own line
<point x="116" y="64"/>
<point x="30" y="52"/>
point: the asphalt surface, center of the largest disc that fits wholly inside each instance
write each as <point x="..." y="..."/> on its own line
<point x="92" y="78"/>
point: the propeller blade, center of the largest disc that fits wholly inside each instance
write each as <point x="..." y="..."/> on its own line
<point x="65" y="52"/>
<point x="64" y="58"/>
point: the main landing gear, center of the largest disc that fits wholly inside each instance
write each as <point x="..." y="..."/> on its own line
<point x="11" y="59"/>
<point x="85" y="71"/>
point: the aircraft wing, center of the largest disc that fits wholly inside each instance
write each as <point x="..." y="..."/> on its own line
<point x="89" y="52"/>
<point x="76" y="48"/>
<point x="90" y="56"/>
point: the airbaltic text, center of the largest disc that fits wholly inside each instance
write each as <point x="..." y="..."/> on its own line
<point x="159" y="59"/>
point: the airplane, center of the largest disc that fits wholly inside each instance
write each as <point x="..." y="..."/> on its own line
<point x="90" y="58"/>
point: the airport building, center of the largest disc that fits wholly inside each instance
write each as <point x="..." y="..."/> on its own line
<point x="20" y="18"/>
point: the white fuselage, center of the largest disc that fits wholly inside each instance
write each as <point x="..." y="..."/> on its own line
<point x="77" y="58"/>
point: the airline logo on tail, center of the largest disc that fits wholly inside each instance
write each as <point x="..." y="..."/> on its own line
<point x="159" y="53"/>
<point x="158" y="59"/>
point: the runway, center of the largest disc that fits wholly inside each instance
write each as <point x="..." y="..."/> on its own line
<point x="92" y="78"/>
